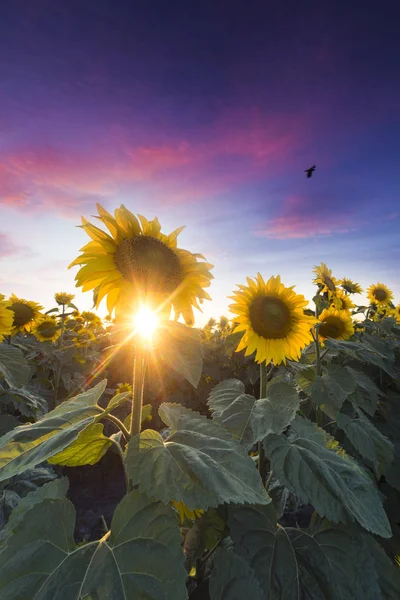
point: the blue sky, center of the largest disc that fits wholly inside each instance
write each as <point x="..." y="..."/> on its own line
<point x="204" y="115"/>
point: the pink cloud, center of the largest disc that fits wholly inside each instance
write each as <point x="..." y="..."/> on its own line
<point x="296" y="222"/>
<point x="240" y="147"/>
<point x="7" y="246"/>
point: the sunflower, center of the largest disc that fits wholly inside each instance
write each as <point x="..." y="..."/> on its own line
<point x="350" y="286"/>
<point x="6" y="318"/>
<point x="341" y="301"/>
<point x="336" y="324"/>
<point x="62" y="298"/>
<point x="185" y="512"/>
<point x="25" y="313"/>
<point x="397" y="313"/>
<point x="90" y="318"/>
<point x="379" y="294"/>
<point x="137" y="263"/>
<point x="46" y="330"/>
<point x="123" y="387"/>
<point x="272" y="318"/>
<point x="85" y="336"/>
<point x="324" y="278"/>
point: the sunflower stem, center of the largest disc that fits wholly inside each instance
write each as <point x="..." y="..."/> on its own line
<point x="262" y="461"/>
<point x="139" y="370"/>
<point x="58" y="374"/>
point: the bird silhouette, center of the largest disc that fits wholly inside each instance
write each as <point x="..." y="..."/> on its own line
<point x="310" y="171"/>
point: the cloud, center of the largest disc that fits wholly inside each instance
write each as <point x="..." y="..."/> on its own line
<point x="7" y="246"/>
<point x="240" y="147"/>
<point x="304" y="218"/>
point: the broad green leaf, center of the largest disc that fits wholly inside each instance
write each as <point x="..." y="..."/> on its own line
<point x="7" y="423"/>
<point x="141" y="558"/>
<point x="199" y="463"/>
<point x="333" y="484"/>
<point x="392" y="473"/>
<point x="146" y="416"/>
<point x="250" y="420"/>
<point x="367" y="440"/>
<point x="204" y="534"/>
<point x="330" y="564"/>
<point x="333" y="388"/>
<point x="25" y="402"/>
<point x="232" y="578"/>
<point x="13" y="366"/>
<point x="52" y="489"/>
<point x="29" y="445"/>
<point x="179" y="346"/>
<point x="367" y="393"/>
<point x="364" y="353"/>
<point x="388" y="573"/>
<point x="88" y="448"/>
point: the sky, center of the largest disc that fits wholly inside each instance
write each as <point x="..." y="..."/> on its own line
<point x="203" y="114"/>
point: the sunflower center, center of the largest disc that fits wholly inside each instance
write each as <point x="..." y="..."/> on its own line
<point x="23" y="314"/>
<point x="380" y="294"/>
<point x="149" y="264"/>
<point x="332" y="327"/>
<point x="270" y="317"/>
<point x="47" y="330"/>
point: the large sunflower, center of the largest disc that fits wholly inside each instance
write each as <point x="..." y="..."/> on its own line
<point x="46" y="330"/>
<point x="336" y="324"/>
<point x="324" y="278"/>
<point x="26" y="313"/>
<point x="6" y="318"/>
<point x="379" y="294"/>
<point x="272" y="318"/>
<point x="350" y="286"/>
<point x="136" y="263"/>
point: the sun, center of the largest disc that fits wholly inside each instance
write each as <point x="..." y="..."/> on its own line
<point x="145" y="322"/>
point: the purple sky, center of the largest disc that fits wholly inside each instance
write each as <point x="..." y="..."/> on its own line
<point x="204" y="114"/>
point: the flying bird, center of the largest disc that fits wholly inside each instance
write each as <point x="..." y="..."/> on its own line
<point x="310" y="171"/>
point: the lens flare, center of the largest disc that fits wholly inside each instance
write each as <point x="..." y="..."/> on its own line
<point x="145" y="322"/>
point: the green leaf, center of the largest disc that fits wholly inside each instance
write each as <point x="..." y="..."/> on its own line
<point x="332" y="389"/>
<point x="250" y="420"/>
<point x="70" y="305"/>
<point x="232" y="578"/>
<point x="334" y="485"/>
<point x="199" y="463"/>
<point x="367" y="440"/>
<point x="179" y="346"/>
<point x="26" y="402"/>
<point x="332" y="563"/>
<point x="13" y="366"/>
<point x="388" y="573"/>
<point x="53" y="489"/>
<point x="146" y="416"/>
<point x="52" y="310"/>
<point x="364" y="353"/>
<point x="392" y="473"/>
<point x="7" y="423"/>
<point x="29" y="445"/>
<point x="367" y="393"/>
<point x="140" y="558"/>
<point x="88" y="448"/>
<point x="116" y="401"/>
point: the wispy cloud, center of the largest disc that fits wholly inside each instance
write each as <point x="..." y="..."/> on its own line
<point x="238" y="148"/>
<point x="8" y="247"/>
<point x="300" y="217"/>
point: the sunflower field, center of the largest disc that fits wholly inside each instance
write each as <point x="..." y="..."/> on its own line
<point x="144" y="458"/>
